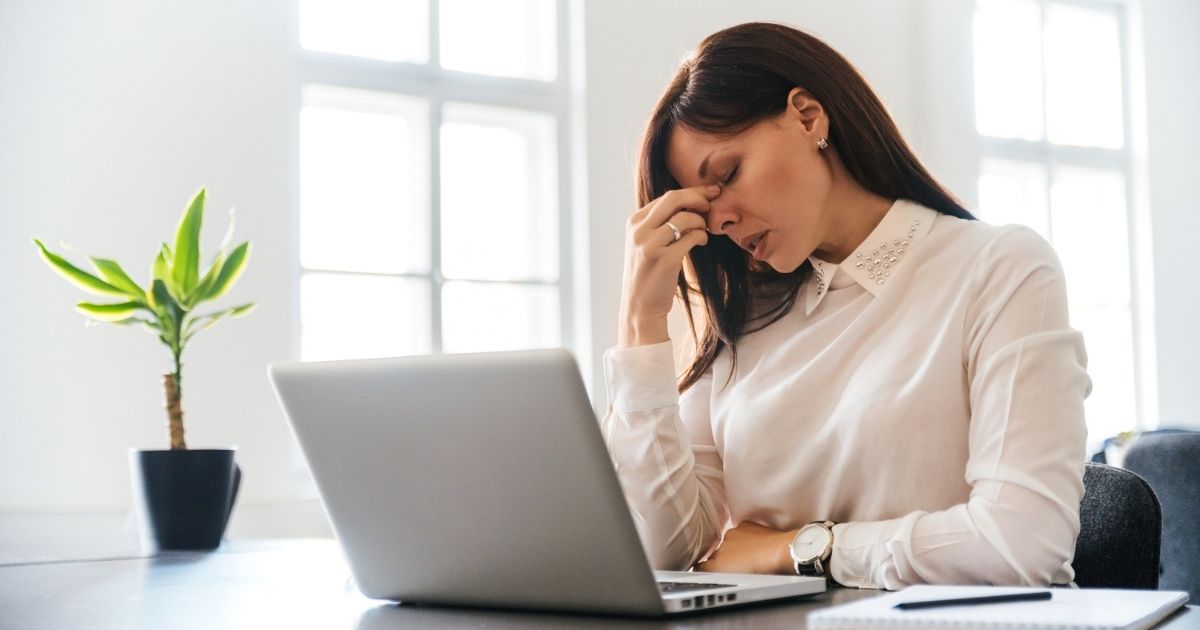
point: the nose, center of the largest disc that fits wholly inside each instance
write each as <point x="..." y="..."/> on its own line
<point x="721" y="216"/>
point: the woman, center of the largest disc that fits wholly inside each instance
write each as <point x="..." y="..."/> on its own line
<point x="884" y="391"/>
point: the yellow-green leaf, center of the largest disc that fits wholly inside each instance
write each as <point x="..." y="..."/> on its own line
<point x="185" y="269"/>
<point x="205" y="285"/>
<point x="170" y="313"/>
<point x="208" y="320"/>
<point x="242" y="310"/>
<point x="77" y="276"/>
<point x="231" y="270"/>
<point x="108" y="312"/>
<point x="113" y="274"/>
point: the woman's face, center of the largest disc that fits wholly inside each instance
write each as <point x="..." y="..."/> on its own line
<point x="774" y="184"/>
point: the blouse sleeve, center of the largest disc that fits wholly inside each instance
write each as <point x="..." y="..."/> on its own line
<point x="662" y="446"/>
<point x="1026" y="369"/>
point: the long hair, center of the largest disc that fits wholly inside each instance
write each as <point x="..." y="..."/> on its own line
<point x="734" y="79"/>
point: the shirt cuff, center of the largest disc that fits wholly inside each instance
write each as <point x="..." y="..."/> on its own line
<point x="860" y="552"/>
<point x="641" y="378"/>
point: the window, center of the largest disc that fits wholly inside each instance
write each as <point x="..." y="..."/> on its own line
<point x="1052" y="111"/>
<point x="431" y="206"/>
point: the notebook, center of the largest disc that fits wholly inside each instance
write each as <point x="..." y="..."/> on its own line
<point x="1067" y="608"/>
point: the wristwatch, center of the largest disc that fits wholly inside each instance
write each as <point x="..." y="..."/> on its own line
<point x="811" y="548"/>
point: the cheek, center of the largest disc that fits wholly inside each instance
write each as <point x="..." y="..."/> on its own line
<point x="787" y="190"/>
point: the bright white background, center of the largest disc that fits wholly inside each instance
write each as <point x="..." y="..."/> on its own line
<point x="113" y="112"/>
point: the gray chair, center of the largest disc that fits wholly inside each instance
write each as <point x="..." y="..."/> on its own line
<point x="1120" y="530"/>
<point x="1170" y="463"/>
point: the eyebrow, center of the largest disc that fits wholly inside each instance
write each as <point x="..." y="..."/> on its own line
<point x="704" y="166"/>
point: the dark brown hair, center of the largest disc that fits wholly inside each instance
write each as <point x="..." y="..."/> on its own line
<point x="736" y="78"/>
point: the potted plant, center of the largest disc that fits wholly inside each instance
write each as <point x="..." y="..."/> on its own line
<point x="184" y="496"/>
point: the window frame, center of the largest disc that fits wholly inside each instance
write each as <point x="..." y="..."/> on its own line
<point x="1128" y="162"/>
<point x="439" y="86"/>
<point x="560" y="98"/>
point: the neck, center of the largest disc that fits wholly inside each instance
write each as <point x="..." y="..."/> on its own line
<point x="851" y="213"/>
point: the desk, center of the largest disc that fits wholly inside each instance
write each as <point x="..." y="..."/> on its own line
<point x="298" y="584"/>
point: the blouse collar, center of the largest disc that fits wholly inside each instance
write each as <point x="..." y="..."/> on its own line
<point x="876" y="259"/>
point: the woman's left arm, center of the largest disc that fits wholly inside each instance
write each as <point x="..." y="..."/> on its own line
<point x="1026" y="369"/>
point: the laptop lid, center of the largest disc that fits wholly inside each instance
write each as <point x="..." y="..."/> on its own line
<point x="478" y="479"/>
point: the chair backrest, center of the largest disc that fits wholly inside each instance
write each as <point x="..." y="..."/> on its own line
<point x="1170" y="463"/>
<point x="1120" y="530"/>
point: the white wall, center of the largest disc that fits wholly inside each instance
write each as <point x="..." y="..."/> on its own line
<point x="1173" y="139"/>
<point x="112" y="113"/>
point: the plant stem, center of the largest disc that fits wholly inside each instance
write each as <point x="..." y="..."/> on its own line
<point x="172" y="385"/>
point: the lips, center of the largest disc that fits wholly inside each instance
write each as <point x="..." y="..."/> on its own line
<point x="754" y="244"/>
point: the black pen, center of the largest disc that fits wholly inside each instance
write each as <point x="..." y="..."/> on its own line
<point x="967" y="601"/>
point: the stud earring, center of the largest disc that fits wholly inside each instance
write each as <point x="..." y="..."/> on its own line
<point x="821" y="144"/>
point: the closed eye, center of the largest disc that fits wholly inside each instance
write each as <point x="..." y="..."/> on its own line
<point x="731" y="175"/>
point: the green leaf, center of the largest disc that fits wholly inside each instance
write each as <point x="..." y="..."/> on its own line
<point x="242" y="311"/>
<point x="77" y="276"/>
<point x="160" y="269"/>
<point x="112" y="273"/>
<point x="170" y="313"/>
<point x="109" y="312"/>
<point x="214" y="267"/>
<point x="206" y="283"/>
<point x="185" y="269"/>
<point x="150" y="325"/>
<point x="208" y="320"/>
<point x="231" y="270"/>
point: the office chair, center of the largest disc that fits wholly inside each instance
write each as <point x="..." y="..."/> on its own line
<point x="1120" y="530"/>
<point x="1170" y="463"/>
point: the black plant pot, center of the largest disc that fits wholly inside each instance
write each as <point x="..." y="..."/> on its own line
<point x="184" y="497"/>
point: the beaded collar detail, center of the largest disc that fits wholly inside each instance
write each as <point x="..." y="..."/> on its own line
<point x="877" y="259"/>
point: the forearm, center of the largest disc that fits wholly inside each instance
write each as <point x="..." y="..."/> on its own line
<point x="1004" y="534"/>
<point x="673" y="485"/>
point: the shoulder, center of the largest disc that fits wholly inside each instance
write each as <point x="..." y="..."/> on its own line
<point x="989" y="253"/>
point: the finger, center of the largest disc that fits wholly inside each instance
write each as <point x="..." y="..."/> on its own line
<point x="694" y="238"/>
<point x="687" y="220"/>
<point x="684" y="222"/>
<point x="696" y="198"/>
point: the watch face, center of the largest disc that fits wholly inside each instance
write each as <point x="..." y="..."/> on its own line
<point x="809" y="542"/>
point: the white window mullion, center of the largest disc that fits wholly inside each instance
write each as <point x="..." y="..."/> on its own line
<point x="1141" y="256"/>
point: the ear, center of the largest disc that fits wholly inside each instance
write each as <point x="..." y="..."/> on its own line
<point x="805" y="109"/>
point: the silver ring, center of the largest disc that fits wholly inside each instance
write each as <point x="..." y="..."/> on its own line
<point x="674" y="231"/>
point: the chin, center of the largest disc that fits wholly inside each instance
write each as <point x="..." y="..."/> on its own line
<point x="783" y="267"/>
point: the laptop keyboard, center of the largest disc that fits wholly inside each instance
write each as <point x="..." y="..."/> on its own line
<point x="680" y="587"/>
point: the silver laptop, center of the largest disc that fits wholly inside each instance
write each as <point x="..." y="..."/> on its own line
<point x="483" y="480"/>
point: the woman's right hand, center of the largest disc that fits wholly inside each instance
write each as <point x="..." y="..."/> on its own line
<point x="653" y="260"/>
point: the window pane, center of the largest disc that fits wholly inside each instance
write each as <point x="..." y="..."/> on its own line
<point x="483" y="317"/>
<point x="1008" y="69"/>
<point x="351" y="316"/>
<point x="499" y="194"/>
<point x="364" y="181"/>
<point x="515" y="38"/>
<point x="391" y="30"/>
<point x="1014" y="192"/>
<point x="1083" y="77"/>
<point x="1090" y="228"/>
<point x="1108" y="335"/>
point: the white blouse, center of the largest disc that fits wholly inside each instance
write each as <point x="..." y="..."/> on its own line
<point x="926" y="394"/>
